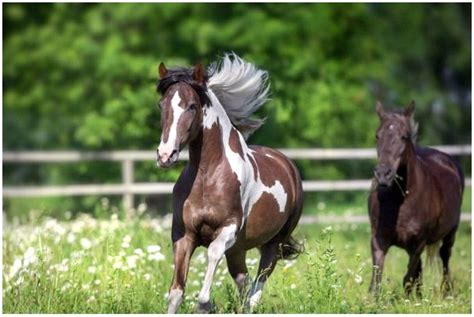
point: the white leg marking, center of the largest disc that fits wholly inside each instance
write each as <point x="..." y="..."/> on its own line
<point x="216" y="251"/>
<point x="256" y="294"/>
<point x="166" y="148"/>
<point x="174" y="300"/>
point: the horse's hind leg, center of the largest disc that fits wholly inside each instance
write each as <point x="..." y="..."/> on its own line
<point x="445" y="254"/>
<point x="268" y="259"/>
<point x="238" y="270"/>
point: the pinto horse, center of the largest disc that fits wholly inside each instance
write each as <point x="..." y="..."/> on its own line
<point x="230" y="197"/>
<point x="417" y="201"/>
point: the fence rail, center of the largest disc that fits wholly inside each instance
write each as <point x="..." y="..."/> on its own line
<point x="128" y="188"/>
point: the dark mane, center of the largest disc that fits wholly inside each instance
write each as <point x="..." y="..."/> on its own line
<point x="184" y="75"/>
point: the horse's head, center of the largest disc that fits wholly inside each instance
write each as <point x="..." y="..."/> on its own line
<point x="396" y="131"/>
<point x="181" y="110"/>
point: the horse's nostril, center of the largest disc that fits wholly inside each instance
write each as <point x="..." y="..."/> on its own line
<point x="388" y="172"/>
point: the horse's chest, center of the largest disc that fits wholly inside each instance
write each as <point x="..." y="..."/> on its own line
<point x="411" y="226"/>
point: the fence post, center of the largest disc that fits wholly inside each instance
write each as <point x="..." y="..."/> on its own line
<point x="127" y="180"/>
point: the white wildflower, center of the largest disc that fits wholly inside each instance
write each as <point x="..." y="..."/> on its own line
<point x="15" y="268"/>
<point x="132" y="261"/>
<point x="147" y="277"/>
<point x="158" y="256"/>
<point x="66" y="286"/>
<point x="293" y="286"/>
<point x="358" y="279"/>
<point x="139" y="252"/>
<point x="29" y="257"/>
<point x="153" y="248"/>
<point x="91" y="269"/>
<point x="117" y="265"/>
<point x="86" y="243"/>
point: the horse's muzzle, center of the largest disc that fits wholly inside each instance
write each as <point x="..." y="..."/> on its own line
<point x="166" y="160"/>
<point x="384" y="175"/>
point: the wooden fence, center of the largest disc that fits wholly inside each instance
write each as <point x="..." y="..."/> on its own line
<point x="128" y="188"/>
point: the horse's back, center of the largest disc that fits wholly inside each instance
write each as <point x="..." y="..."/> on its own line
<point x="449" y="182"/>
<point x="443" y="167"/>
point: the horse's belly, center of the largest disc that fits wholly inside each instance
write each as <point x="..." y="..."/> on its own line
<point x="263" y="222"/>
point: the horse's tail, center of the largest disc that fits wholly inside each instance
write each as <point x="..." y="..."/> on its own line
<point x="290" y="249"/>
<point x="432" y="251"/>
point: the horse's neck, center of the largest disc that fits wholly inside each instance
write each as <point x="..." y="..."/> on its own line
<point x="409" y="167"/>
<point x="213" y="142"/>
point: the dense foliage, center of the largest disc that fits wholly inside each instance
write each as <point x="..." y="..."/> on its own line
<point x="82" y="76"/>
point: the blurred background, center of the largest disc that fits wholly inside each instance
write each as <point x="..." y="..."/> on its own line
<point x="82" y="77"/>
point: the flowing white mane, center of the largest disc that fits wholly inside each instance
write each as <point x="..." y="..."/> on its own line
<point x="241" y="89"/>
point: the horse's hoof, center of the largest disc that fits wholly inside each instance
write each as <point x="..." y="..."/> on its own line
<point x="204" y="308"/>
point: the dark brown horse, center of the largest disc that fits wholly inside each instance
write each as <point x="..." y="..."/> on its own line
<point x="417" y="201"/>
<point x="230" y="197"/>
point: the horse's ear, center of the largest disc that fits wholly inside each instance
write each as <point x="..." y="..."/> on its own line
<point x="410" y="109"/>
<point x="198" y="74"/>
<point x="379" y="109"/>
<point x="162" y="70"/>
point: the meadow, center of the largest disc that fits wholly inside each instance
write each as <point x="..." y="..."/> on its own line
<point x="107" y="264"/>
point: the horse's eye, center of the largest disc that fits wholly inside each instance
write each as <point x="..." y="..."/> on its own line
<point x="192" y="108"/>
<point x="376" y="137"/>
<point x="404" y="137"/>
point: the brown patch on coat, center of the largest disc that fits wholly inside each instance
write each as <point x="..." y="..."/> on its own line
<point x="234" y="143"/>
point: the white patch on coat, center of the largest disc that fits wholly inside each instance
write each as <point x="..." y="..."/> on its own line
<point x="166" y="148"/>
<point x="251" y="185"/>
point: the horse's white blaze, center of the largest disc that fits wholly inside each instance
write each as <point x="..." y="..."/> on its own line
<point x="217" y="248"/>
<point x="251" y="185"/>
<point x="166" y="148"/>
<point x="174" y="300"/>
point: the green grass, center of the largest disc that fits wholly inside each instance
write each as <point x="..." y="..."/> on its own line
<point x="89" y="265"/>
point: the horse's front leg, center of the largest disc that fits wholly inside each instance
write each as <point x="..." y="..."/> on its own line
<point x="182" y="249"/>
<point x="225" y="239"/>
<point x="413" y="276"/>
<point x="379" y="250"/>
